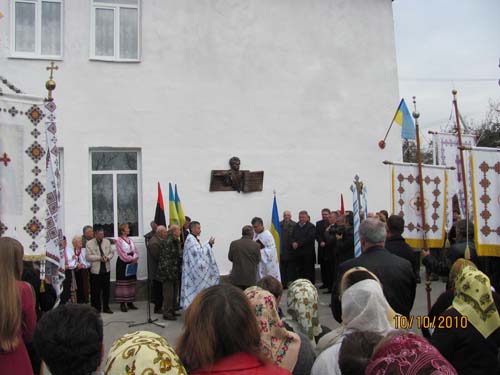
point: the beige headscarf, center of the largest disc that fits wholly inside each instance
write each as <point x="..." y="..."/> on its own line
<point x="302" y="303"/>
<point x="279" y="345"/>
<point x="364" y="308"/>
<point x="473" y="299"/>
<point x="343" y="287"/>
<point x="142" y="352"/>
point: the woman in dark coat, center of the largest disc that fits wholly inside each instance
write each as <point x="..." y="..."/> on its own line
<point x="468" y="334"/>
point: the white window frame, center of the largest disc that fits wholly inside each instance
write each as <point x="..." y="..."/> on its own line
<point x="115" y="190"/>
<point x="96" y="4"/>
<point x="37" y="55"/>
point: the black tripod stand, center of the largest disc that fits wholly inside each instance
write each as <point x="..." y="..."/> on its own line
<point x="149" y="321"/>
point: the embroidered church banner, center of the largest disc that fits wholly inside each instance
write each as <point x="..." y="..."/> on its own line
<point x="485" y="164"/>
<point x="406" y="202"/>
<point x="23" y="174"/>
<point x="447" y="153"/>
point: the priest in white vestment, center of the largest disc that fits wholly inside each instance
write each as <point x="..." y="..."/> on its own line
<point x="199" y="269"/>
<point x="268" y="265"/>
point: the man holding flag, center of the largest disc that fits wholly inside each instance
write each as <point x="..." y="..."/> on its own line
<point x="269" y="265"/>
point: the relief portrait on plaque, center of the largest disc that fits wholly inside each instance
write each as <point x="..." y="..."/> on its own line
<point x="235" y="179"/>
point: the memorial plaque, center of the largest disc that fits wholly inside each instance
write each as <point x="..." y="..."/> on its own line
<point x="252" y="181"/>
<point x="236" y="180"/>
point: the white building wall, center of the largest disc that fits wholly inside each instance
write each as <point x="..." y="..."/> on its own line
<point x="300" y="89"/>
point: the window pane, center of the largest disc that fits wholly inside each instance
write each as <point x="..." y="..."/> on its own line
<point x="102" y="202"/>
<point x="25" y="27"/>
<point x="51" y="28"/>
<point x="128" y="211"/>
<point x="104" y="32"/>
<point x="128" y="33"/>
<point x="107" y="161"/>
<point x="126" y="2"/>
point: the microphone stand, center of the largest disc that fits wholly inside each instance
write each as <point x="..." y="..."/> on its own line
<point x="149" y="321"/>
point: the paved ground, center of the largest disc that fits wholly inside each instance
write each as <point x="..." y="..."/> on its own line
<point x="117" y="324"/>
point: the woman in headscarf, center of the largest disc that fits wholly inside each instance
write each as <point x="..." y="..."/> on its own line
<point x="446" y="298"/>
<point x="364" y="309"/>
<point x="351" y="277"/>
<point x="408" y="354"/>
<point x="468" y="333"/>
<point x="221" y="335"/>
<point x="143" y="352"/>
<point x="302" y="305"/>
<point x="284" y="348"/>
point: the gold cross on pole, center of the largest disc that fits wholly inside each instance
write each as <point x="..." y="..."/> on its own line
<point x="52" y="67"/>
<point x="50" y="85"/>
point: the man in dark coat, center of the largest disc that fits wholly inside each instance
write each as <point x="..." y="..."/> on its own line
<point x="287" y="225"/>
<point x="169" y="268"/>
<point x="303" y="253"/>
<point x="320" y="238"/>
<point x="245" y="255"/>
<point x="458" y="250"/>
<point x="397" y="245"/>
<point x="395" y="273"/>
<point x="153" y="259"/>
<point x="149" y="235"/>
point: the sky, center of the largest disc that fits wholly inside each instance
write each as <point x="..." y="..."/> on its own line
<point x="447" y="44"/>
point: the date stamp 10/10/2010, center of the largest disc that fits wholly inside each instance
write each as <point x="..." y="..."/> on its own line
<point x="428" y="322"/>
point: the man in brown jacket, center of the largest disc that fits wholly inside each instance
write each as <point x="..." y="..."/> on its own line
<point x="245" y="255"/>
<point x="99" y="254"/>
<point x="153" y="258"/>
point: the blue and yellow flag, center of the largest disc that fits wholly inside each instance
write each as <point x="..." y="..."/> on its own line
<point x="178" y="207"/>
<point x="276" y="229"/>
<point x="172" y="210"/>
<point x="403" y="118"/>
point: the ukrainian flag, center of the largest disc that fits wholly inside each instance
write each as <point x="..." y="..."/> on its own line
<point x="172" y="210"/>
<point x="178" y="207"/>
<point x="276" y="229"/>
<point x="403" y="118"/>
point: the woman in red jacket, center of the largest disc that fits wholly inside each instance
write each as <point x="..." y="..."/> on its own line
<point x="221" y="336"/>
<point x="17" y="310"/>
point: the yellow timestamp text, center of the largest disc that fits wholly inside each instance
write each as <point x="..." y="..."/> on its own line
<point x="430" y="322"/>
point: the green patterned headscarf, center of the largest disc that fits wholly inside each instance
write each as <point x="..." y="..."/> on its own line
<point x="302" y="303"/>
<point x="142" y="352"/>
<point x="473" y="299"/>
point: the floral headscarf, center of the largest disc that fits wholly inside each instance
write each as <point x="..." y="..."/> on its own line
<point x="280" y="345"/>
<point x="408" y="354"/>
<point x="302" y="303"/>
<point x="142" y="352"/>
<point x="474" y="300"/>
<point x="457" y="268"/>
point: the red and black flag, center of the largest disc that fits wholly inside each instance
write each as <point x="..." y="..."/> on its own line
<point x="160" y="209"/>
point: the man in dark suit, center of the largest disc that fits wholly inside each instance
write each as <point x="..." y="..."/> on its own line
<point x="320" y="238"/>
<point x="395" y="273"/>
<point x="245" y="255"/>
<point x="303" y="253"/>
<point x="397" y="245"/>
<point x="286" y="225"/>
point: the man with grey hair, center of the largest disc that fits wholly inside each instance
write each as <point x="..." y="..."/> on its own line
<point x="395" y="273"/>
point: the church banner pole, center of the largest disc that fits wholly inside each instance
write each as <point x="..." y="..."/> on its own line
<point x="462" y="167"/>
<point x="421" y="202"/>
<point x="460" y="147"/>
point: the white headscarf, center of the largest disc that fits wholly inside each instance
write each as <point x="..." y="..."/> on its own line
<point x="364" y="308"/>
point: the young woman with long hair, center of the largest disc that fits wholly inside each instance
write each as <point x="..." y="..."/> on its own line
<point x="17" y="310"/>
<point x="221" y="335"/>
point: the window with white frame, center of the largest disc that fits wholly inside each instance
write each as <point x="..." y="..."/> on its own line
<point x="36" y="28"/>
<point x="115" y="190"/>
<point x="115" y="30"/>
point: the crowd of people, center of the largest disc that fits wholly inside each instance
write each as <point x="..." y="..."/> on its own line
<point x="234" y="324"/>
